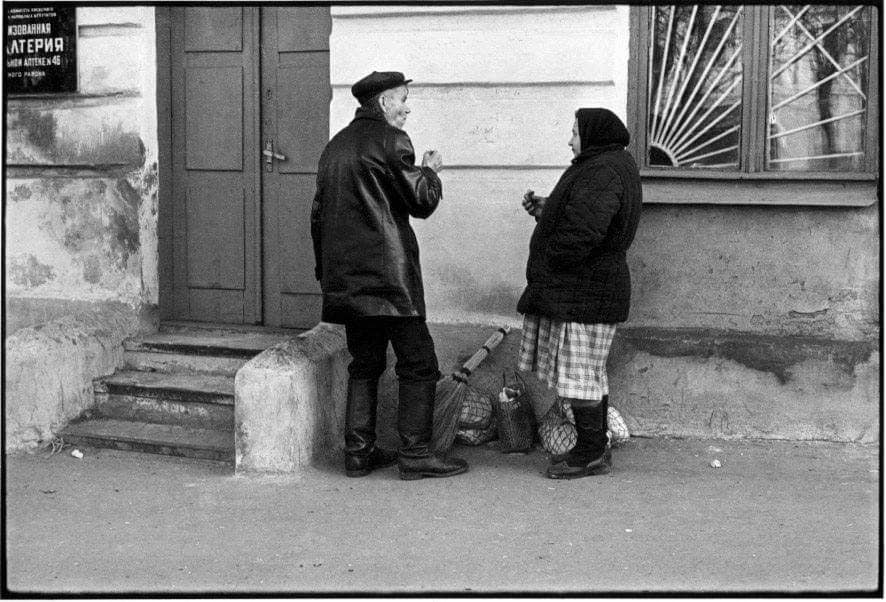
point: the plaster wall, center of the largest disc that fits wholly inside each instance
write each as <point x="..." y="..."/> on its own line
<point x="794" y="271"/>
<point x="81" y="174"/>
<point x="49" y="370"/>
<point x="495" y="90"/>
<point x="746" y="296"/>
<point x="80" y="224"/>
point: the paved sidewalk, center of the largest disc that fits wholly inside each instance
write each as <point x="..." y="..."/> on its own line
<point x="777" y="516"/>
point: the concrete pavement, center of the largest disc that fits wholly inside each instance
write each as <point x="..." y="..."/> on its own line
<point x="776" y="517"/>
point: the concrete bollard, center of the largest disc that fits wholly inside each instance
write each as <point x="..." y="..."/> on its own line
<point x="289" y="402"/>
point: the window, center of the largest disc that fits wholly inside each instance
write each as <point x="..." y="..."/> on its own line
<point x="784" y="91"/>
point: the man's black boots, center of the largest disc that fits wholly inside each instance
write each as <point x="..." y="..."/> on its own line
<point x="591" y="454"/>
<point x="415" y="422"/>
<point x="361" y="454"/>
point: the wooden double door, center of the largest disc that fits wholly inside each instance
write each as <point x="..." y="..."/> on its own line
<point x="249" y="101"/>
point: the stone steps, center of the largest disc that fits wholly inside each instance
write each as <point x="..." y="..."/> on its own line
<point x="174" y="394"/>
<point x="185" y="398"/>
<point x="198" y="350"/>
<point x="167" y="439"/>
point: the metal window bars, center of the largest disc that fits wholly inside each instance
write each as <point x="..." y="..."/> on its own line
<point x="676" y="130"/>
<point x="695" y="90"/>
<point x="816" y="138"/>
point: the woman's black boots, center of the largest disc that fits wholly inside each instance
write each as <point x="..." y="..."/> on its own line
<point x="591" y="454"/>
<point x="415" y="422"/>
<point x="361" y="454"/>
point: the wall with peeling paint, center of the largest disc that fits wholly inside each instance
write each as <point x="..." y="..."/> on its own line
<point x="794" y="271"/>
<point x="81" y="205"/>
<point x="81" y="222"/>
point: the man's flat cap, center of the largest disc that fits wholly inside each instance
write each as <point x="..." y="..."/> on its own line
<point x="375" y="82"/>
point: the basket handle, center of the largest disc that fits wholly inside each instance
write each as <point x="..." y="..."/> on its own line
<point x="491" y="343"/>
<point x="520" y="380"/>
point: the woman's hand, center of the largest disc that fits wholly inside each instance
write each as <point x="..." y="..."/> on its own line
<point x="533" y="204"/>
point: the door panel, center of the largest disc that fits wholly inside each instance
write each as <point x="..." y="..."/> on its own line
<point x="209" y="146"/>
<point x="215" y="205"/>
<point x="214" y="28"/>
<point x="299" y="295"/>
<point x="220" y="306"/>
<point x="215" y="164"/>
<point x="303" y="28"/>
<point x="306" y="136"/>
<point x="295" y="116"/>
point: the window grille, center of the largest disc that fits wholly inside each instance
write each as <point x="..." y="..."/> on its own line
<point x="756" y="90"/>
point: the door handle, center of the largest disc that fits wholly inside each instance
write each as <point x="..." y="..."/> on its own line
<point x="270" y="155"/>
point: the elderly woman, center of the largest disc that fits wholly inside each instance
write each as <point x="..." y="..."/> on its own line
<point x="578" y="283"/>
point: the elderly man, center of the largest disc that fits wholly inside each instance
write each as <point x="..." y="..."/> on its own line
<point x="367" y="263"/>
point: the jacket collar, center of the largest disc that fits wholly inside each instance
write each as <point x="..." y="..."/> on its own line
<point x="594" y="151"/>
<point x="364" y="113"/>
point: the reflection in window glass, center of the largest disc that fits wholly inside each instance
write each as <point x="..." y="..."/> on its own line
<point x="818" y="83"/>
<point x="695" y="87"/>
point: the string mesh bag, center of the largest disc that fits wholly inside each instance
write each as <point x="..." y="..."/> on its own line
<point x="556" y="430"/>
<point x="476" y="422"/>
<point x="470" y="436"/>
<point x="476" y="411"/>
<point x="514" y="416"/>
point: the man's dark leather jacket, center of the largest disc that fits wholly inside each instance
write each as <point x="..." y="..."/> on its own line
<point x="366" y="254"/>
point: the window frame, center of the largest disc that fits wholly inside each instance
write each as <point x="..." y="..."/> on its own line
<point x="755" y="32"/>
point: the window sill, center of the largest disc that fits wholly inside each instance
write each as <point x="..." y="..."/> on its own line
<point x="758" y="191"/>
<point x="682" y="174"/>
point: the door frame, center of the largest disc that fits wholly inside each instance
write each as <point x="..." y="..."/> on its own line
<point x="163" y="35"/>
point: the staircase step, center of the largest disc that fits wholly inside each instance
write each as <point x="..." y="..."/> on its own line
<point x="185" y="399"/>
<point x="213" y="351"/>
<point x="161" y="411"/>
<point x="191" y="327"/>
<point x="176" y="393"/>
<point x="172" y="440"/>
<point x="243" y="345"/>
<point x="172" y="386"/>
<point x="156" y="361"/>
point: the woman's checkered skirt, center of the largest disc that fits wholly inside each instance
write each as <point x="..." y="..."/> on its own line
<point x="569" y="356"/>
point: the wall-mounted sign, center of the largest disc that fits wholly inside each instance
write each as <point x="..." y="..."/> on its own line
<point x="41" y="48"/>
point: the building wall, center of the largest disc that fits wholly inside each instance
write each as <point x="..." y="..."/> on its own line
<point x="81" y="177"/>
<point x="495" y="89"/>
<point x="80" y="225"/>
<point x="755" y="309"/>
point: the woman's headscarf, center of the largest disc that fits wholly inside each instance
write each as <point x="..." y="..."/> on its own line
<point x="600" y="128"/>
